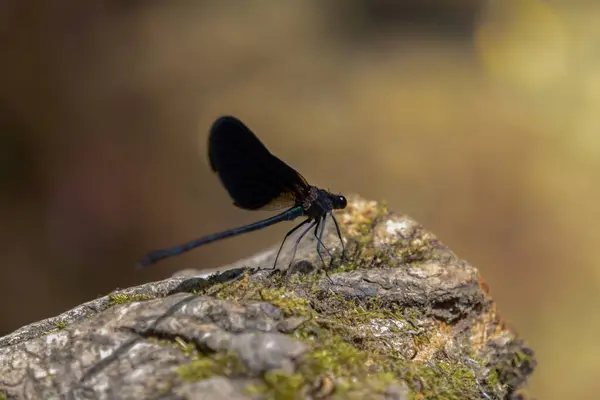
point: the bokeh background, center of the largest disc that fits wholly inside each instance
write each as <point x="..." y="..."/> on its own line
<point x="478" y="118"/>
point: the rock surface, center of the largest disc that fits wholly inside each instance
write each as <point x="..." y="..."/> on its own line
<point x="401" y="317"/>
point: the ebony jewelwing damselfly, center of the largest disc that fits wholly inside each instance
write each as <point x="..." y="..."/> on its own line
<point x="257" y="180"/>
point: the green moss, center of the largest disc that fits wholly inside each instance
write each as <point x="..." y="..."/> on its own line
<point x="508" y="371"/>
<point x="286" y="300"/>
<point x="198" y="370"/>
<point x="521" y="358"/>
<point x="329" y="354"/>
<point x="60" y="324"/>
<point x="355" y="313"/>
<point x="122" y="298"/>
<point x="280" y="293"/>
<point x="458" y="377"/>
<point x="345" y="267"/>
<point x="281" y="385"/>
<point x="492" y="379"/>
<point x="204" y="366"/>
<point x="187" y="348"/>
<point x="230" y="290"/>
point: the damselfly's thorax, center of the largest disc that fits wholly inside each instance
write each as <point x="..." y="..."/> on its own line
<point x="317" y="202"/>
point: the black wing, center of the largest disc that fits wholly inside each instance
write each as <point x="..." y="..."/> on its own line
<point x="253" y="176"/>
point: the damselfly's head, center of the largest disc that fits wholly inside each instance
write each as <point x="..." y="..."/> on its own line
<point x="338" y="201"/>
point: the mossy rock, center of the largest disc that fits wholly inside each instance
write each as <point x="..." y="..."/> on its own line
<point x="400" y="316"/>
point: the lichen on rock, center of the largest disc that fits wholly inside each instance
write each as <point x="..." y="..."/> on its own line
<point x="400" y="317"/>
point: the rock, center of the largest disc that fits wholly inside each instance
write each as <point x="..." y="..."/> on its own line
<point x="401" y="317"/>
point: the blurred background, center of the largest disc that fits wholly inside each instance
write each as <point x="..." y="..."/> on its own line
<point x="477" y="118"/>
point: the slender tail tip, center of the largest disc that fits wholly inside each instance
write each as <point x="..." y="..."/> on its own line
<point x="145" y="262"/>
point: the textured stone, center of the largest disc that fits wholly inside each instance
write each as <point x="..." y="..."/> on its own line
<point x="400" y="316"/>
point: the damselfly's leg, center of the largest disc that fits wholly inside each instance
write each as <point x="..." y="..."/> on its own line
<point x="339" y="233"/>
<point x="294" y="229"/>
<point x="304" y="232"/>
<point x="319" y="237"/>
<point x="321" y="223"/>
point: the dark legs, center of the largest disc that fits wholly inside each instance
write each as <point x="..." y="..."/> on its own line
<point x="319" y="237"/>
<point x="319" y="225"/>
<point x="339" y="233"/>
<point x="304" y="232"/>
<point x="294" y="229"/>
